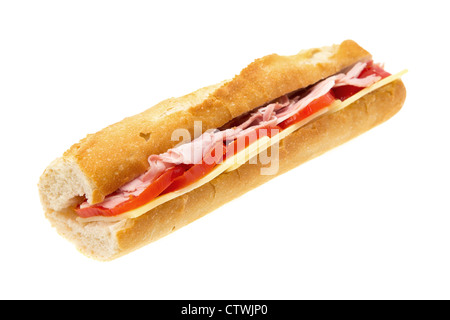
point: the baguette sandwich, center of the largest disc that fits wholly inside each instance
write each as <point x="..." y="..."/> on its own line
<point x="150" y="174"/>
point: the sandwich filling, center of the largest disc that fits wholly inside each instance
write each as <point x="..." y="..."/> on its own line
<point x="189" y="165"/>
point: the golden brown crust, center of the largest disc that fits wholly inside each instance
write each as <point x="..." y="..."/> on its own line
<point x="118" y="153"/>
<point x="304" y="144"/>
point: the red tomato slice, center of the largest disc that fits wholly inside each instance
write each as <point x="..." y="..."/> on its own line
<point x="198" y="171"/>
<point x="313" y="107"/>
<point x="152" y="191"/>
<point x="345" y="92"/>
<point x="373" y="69"/>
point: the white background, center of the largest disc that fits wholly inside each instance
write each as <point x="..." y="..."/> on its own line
<point x="368" y="220"/>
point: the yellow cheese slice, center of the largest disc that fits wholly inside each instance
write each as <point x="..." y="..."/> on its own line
<point x="245" y="155"/>
<point x="367" y="90"/>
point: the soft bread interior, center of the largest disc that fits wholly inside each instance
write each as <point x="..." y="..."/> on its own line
<point x="97" y="239"/>
<point x="64" y="185"/>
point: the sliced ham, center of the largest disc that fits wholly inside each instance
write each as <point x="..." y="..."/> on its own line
<point x="351" y="77"/>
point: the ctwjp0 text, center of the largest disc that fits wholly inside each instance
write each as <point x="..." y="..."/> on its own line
<point x="230" y="309"/>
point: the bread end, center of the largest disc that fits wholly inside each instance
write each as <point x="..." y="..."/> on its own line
<point x="64" y="185"/>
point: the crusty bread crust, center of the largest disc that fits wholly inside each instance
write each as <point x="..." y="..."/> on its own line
<point x="117" y="154"/>
<point x="107" y="241"/>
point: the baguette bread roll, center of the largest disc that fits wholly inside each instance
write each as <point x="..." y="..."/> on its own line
<point x="93" y="168"/>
